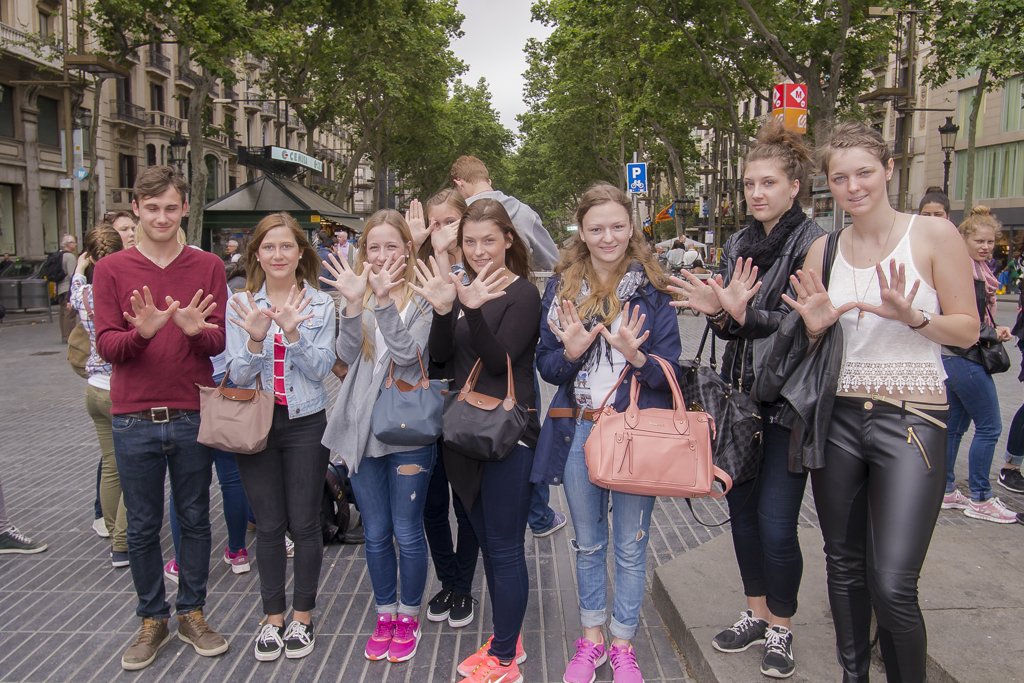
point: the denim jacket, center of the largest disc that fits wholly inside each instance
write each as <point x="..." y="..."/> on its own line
<point x="307" y="362"/>
<point x="556" y="433"/>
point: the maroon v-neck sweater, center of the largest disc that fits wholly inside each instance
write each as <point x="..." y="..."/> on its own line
<point x="162" y="371"/>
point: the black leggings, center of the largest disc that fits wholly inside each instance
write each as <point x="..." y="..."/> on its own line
<point x="878" y="498"/>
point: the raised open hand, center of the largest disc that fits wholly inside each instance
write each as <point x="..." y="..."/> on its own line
<point x="895" y="304"/>
<point x="352" y="285"/>
<point x="699" y="296"/>
<point x="434" y="286"/>
<point x="417" y="226"/>
<point x="250" y="318"/>
<point x="148" y="319"/>
<point x="630" y="335"/>
<point x="443" y="237"/>
<point x="571" y="331"/>
<point x="813" y="303"/>
<point x="383" y="281"/>
<point x="290" y="315"/>
<point x="192" y="318"/>
<point x="483" y="289"/>
<point x="742" y="288"/>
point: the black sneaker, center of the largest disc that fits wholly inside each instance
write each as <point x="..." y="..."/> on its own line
<point x="778" y="653"/>
<point x="440" y="605"/>
<point x="462" y="611"/>
<point x="741" y="635"/>
<point x="269" y="644"/>
<point x="14" y="542"/>
<point x="298" y="640"/>
<point x="1011" y="480"/>
<point x="118" y="559"/>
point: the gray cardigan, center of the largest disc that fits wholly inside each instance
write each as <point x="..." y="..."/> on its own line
<point x="348" y="431"/>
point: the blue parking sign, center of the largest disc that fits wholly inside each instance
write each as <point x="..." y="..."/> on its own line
<point x="636" y="175"/>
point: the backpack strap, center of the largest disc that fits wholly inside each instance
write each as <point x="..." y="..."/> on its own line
<point x="831" y="247"/>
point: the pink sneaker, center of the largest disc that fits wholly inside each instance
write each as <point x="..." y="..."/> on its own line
<point x="588" y="657"/>
<point x="405" y="639"/>
<point x="992" y="510"/>
<point x="624" y="666"/>
<point x="470" y="663"/>
<point x="171" y="570"/>
<point x="239" y="561"/>
<point x="379" y="643"/>
<point x="955" y="501"/>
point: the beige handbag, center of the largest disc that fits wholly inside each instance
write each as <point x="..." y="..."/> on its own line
<point x="235" y="420"/>
<point x="655" y="451"/>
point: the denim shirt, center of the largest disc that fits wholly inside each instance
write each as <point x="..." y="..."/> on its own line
<point x="556" y="433"/>
<point x="307" y="362"/>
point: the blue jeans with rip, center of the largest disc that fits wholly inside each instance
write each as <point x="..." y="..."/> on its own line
<point x="631" y="521"/>
<point x="147" y="451"/>
<point x="972" y="396"/>
<point x="391" y="491"/>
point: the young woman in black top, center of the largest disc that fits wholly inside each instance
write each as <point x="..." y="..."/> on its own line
<point x="496" y="316"/>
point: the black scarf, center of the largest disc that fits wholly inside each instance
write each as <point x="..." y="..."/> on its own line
<point x="764" y="249"/>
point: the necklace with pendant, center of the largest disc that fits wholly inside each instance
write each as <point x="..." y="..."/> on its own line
<point x="853" y="256"/>
<point x="157" y="263"/>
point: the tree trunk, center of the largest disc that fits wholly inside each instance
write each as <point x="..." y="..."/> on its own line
<point x="972" y="131"/>
<point x="93" y="182"/>
<point x="197" y="148"/>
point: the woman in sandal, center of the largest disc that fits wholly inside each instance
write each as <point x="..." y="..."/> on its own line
<point x="283" y="335"/>
<point x="605" y="310"/>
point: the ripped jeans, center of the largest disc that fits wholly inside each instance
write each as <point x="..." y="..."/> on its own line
<point x="391" y="491"/>
<point x="631" y="520"/>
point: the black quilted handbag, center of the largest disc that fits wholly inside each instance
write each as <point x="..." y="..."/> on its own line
<point x="736" y="447"/>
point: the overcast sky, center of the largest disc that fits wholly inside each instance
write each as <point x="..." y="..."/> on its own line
<point x="492" y="47"/>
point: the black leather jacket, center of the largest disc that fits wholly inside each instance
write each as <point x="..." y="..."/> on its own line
<point x="767" y="309"/>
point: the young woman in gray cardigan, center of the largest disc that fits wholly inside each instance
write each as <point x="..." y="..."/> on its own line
<point x="383" y="321"/>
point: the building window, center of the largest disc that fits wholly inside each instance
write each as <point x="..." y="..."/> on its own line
<point x="211" y="181"/>
<point x="998" y="172"/>
<point x="965" y="100"/>
<point x="125" y="170"/>
<point x="156" y="97"/>
<point x="49" y="129"/>
<point x="150" y="155"/>
<point x="49" y="212"/>
<point x="8" y="245"/>
<point x="45" y="27"/>
<point x="6" y="111"/>
<point x="124" y="89"/>
<point x="1013" y="120"/>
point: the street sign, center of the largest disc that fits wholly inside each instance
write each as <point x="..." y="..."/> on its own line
<point x="636" y="174"/>
<point x="82" y="174"/>
<point x="789" y="106"/>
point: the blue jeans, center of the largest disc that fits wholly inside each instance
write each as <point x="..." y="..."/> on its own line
<point x="765" y="513"/>
<point x="1015" y="440"/>
<point x="454" y="564"/>
<point x="391" y="491"/>
<point x="236" y="505"/>
<point x="588" y="505"/>
<point x="542" y="517"/>
<point x="972" y="396"/>
<point x="145" y="451"/>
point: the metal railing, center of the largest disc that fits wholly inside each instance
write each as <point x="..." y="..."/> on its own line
<point x="184" y="77"/>
<point x="29" y="46"/>
<point x="165" y="121"/>
<point x="158" y="61"/>
<point x="122" y="110"/>
<point x="269" y="108"/>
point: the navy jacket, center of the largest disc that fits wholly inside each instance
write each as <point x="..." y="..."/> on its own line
<point x="556" y="433"/>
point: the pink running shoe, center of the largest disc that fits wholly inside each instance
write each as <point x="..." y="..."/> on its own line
<point x="239" y="561"/>
<point x="379" y="643"/>
<point x="470" y="663"/>
<point x="588" y="657"/>
<point x="171" y="570"/>
<point x="992" y="510"/>
<point x="406" y="639"/>
<point x="955" y="501"/>
<point x="624" y="666"/>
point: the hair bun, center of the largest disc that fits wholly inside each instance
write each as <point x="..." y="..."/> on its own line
<point x="981" y="210"/>
<point x="934" y="189"/>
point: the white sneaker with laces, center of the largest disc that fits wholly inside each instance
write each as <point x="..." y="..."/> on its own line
<point x="100" y="527"/>
<point x="955" y="501"/>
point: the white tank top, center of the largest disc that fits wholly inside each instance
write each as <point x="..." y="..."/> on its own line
<point x="880" y="353"/>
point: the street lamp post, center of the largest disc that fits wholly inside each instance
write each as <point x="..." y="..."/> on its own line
<point x="178" y="144"/>
<point x="947" y="134"/>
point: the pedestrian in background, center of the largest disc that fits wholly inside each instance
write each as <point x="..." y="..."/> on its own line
<point x="12" y="541"/>
<point x="282" y="334"/>
<point x="68" y="317"/>
<point x="971" y="390"/>
<point x="934" y="203"/>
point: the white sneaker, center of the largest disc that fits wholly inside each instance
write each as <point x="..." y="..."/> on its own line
<point x="289" y="547"/>
<point x="991" y="510"/>
<point x="100" y="527"/>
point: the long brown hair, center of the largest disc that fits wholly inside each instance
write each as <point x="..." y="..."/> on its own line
<point x="787" y="149"/>
<point x="307" y="273"/>
<point x="576" y="265"/>
<point x="517" y="255"/>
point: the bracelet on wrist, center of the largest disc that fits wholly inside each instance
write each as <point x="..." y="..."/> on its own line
<point x="566" y="356"/>
<point x="257" y="341"/>
<point x="815" y="335"/>
<point x="718" y="317"/>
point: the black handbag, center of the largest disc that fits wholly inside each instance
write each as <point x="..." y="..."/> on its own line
<point x="736" y="447"/>
<point x="993" y="354"/>
<point x="482" y="427"/>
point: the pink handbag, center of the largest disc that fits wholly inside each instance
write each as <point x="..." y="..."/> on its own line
<point x="655" y="451"/>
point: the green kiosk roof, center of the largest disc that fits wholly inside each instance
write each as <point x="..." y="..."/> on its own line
<point x="243" y="208"/>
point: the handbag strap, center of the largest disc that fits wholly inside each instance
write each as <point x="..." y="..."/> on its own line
<point x="425" y="382"/>
<point x="474" y="375"/>
<point x="829" y="257"/>
<point x="86" y="295"/>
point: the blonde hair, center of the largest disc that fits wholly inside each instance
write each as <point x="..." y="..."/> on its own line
<point x="307" y="272"/>
<point x="850" y="134"/>
<point x="405" y="294"/>
<point x="980" y="217"/>
<point x="575" y="266"/>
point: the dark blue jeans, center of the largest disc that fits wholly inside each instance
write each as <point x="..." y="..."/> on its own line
<point x="972" y="396"/>
<point x="236" y="505"/>
<point x="145" y="452"/>
<point x="455" y="564"/>
<point x="765" y="513"/>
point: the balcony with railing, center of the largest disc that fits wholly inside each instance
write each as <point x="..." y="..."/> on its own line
<point x="122" y="110"/>
<point x="158" y="119"/>
<point x="269" y="108"/>
<point x="29" y="46"/>
<point x="158" y="62"/>
<point x="250" y="100"/>
<point x="296" y="123"/>
<point x="230" y="93"/>
<point x="185" y="78"/>
<point x="121" y="197"/>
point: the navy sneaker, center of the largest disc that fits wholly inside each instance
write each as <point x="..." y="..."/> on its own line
<point x="556" y="524"/>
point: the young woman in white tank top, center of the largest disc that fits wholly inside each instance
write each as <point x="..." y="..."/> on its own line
<point x="900" y="287"/>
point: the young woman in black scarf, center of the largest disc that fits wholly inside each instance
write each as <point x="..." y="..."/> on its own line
<point x="748" y="306"/>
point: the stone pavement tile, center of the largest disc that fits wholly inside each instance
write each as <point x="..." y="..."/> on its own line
<point x="56" y="651"/>
<point x="33" y="652"/>
<point x="72" y="666"/>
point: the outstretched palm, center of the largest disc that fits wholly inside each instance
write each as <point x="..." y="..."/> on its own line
<point x="895" y="304"/>
<point x="351" y="284"/>
<point x="434" y="286"/>
<point x="742" y="288"/>
<point x="813" y="302"/>
<point x="697" y="294"/>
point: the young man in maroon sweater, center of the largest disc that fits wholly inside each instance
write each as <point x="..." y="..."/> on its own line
<point x="157" y="326"/>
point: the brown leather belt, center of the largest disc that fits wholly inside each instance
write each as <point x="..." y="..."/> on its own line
<point x="161" y="415"/>
<point x="573" y="413"/>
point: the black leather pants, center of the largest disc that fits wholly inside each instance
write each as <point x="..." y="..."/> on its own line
<point x="878" y="498"/>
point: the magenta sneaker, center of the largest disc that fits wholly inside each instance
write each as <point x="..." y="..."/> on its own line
<point x="624" y="667"/>
<point x="588" y="657"/>
<point x="171" y="570"/>
<point x="239" y="561"/>
<point x="405" y="640"/>
<point x="955" y="501"/>
<point x="379" y="643"/>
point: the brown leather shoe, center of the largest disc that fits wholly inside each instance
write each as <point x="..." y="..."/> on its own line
<point x="192" y="629"/>
<point x="152" y="637"/>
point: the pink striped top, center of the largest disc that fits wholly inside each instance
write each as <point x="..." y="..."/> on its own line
<point x="280" y="397"/>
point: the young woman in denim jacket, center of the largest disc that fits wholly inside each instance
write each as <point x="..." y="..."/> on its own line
<point x="384" y="321"/>
<point x="283" y="336"/>
<point x="605" y="309"/>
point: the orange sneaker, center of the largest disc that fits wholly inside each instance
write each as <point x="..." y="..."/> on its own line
<point x="491" y="671"/>
<point x="471" y="662"/>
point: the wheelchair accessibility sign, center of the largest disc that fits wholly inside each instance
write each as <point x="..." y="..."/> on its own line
<point x="636" y="174"/>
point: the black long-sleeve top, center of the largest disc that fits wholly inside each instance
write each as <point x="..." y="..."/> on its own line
<point x="507" y="325"/>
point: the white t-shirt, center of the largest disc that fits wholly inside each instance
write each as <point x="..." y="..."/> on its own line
<point x="591" y="387"/>
<point x="381" y="345"/>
